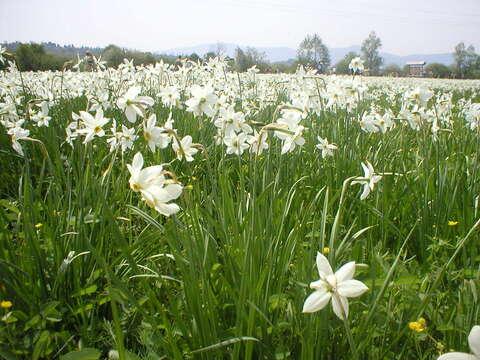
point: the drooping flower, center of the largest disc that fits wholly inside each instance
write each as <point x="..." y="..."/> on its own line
<point x="18" y="133"/>
<point x="336" y="286"/>
<point x="368" y="180"/>
<point x="473" y="342"/>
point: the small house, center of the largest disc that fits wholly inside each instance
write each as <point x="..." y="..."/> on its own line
<point x="416" y="68"/>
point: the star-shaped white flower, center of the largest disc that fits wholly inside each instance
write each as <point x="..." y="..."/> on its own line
<point x="337" y="286"/>
<point x="368" y="180"/>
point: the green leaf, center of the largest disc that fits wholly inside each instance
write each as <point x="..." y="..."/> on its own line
<point x="84" y="354"/>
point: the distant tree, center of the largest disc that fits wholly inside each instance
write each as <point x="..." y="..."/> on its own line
<point x="32" y="57"/>
<point x="370" y="54"/>
<point x="465" y="60"/>
<point x="194" y="57"/>
<point x="245" y="59"/>
<point x="113" y="55"/>
<point x="438" y="70"/>
<point x="392" y="70"/>
<point x="342" y="66"/>
<point x="209" y="55"/>
<point x="314" y="52"/>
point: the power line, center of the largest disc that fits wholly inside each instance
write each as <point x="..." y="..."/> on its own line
<point x="268" y="5"/>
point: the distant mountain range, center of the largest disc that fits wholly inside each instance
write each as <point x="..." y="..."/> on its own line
<point x="277" y="54"/>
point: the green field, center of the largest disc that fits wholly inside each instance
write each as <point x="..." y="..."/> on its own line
<point x="207" y="249"/>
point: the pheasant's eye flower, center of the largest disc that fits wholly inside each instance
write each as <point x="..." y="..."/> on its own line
<point x="185" y="148"/>
<point x="203" y="101"/>
<point x="157" y="197"/>
<point x="368" y="180"/>
<point x="356" y="65"/>
<point x="337" y="286"/>
<point x="473" y="342"/>
<point x="418" y="326"/>
<point x="134" y="105"/>
<point x="142" y="179"/>
<point x="155" y="136"/>
<point x="18" y="133"/>
<point x="325" y="147"/>
<point x="2" y="51"/>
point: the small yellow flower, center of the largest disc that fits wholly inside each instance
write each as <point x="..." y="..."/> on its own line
<point x="189" y="187"/>
<point x="56" y="213"/>
<point x="39" y="225"/>
<point x="418" y="326"/>
<point x="452" y="223"/>
<point x="326" y="251"/>
<point x="194" y="178"/>
<point x="6" y="304"/>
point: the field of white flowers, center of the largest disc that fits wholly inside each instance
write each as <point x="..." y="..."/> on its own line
<point x="191" y="212"/>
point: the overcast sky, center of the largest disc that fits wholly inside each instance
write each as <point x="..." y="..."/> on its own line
<point x="404" y="26"/>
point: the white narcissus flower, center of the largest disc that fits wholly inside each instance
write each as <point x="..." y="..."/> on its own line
<point x="337" y="286"/>
<point x="473" y="342"/>
<point x="236" y="144"/>
<point x="185" y="149"/>
<point x="356" y="65"/>
<point x="157" y="197"/>
<point x="18" y="133"/>
<point x="203" y="101"/>
<point x="368" y="180"/>
<point x="325" y="147"/>
<point x="142" y="179"/>
<point x="134" y="105"/>
<point x="258" y="142"/>
<point x="155" y="136"/>
<point x="93" y="125"/>
<point x="2" y="52"/>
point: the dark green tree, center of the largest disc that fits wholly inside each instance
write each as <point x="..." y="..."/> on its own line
<point x="370" y="53"/>
<point x="437" y="70"/>
<point x="314" y="52"/>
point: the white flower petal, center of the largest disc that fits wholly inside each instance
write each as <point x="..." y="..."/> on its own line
<point x="340" y="306"/>
<point x="316" y="301"/>
<point x="366" y="191"/>
<point x="457" y="356"/>
<point x="137" y="162"/>
<point x="351" y="288"/>
<point x="131" y="114"/>
<point x="167" y="209"/>
<point x="345" y="272"/>
<point x="474" y="340"/>
<point x="323" y="266"/>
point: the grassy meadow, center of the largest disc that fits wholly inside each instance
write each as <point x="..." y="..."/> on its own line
<point x="176" y="213"/>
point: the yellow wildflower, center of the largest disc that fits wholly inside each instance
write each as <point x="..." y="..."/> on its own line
<point x="419" y="325"/>
<point x="39" y="225"/>
<point x="6" y="304"/>
<point x="326" y="250"/>
<point x="452" y="223"/>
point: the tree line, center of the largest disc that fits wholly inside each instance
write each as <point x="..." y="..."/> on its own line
<point x="312" y="52"/>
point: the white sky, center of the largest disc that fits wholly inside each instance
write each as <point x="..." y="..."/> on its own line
<point x="404" y="26"/>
